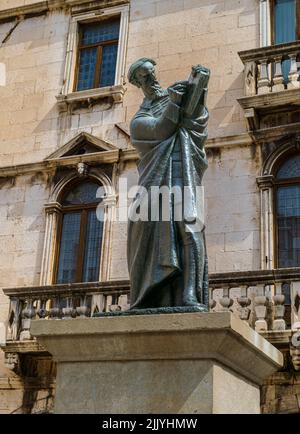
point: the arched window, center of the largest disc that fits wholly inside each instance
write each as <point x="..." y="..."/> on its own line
<point x="288" y="213"/>
<point x="80" y="235"/>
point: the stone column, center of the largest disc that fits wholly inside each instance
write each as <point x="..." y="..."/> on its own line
<point x="200" y="363"/>
<point x="265" y="184"/>
<point x="52" y="213"/>
<point x="264" y="19"/>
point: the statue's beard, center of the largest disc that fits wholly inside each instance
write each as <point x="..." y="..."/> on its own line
<point x="153" y="91"/>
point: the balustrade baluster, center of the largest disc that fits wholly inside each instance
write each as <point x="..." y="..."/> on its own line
<point x="108" y="302"/>
<point x="293" y="74"/>
<point x="226" y="301"/>
<point x="98" y="303"/>
<point x="83" y="310"/>
<point x="42" y="309"/>
<point x="212" y="301"/>
<point x="278" y="79"/>
<point x="263" y="82"/>
<point x="260" y="308"/>
<point x="55" y="311"/>
<point x="68" y="311"/>
<point x="244" y="301"/>
<point x="279" y="308"/>
<point x="28" y="313"/>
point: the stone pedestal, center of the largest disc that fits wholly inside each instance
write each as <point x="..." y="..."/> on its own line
<point x="177" y="363"/>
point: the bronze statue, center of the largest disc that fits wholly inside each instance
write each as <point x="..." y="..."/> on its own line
<point x="167" y="258"/>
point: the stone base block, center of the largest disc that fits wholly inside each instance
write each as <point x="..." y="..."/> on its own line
<point x="177" y="363"/>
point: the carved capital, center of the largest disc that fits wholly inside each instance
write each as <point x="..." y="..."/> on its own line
<point x="265" y="182"/>
<point x="53" y="207"/>
<point x="110" y="200"/>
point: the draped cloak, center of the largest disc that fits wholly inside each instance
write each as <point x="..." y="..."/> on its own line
<point x="154" y="250"/>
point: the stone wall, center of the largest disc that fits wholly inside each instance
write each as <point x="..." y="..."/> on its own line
<point x="180" y="33"/>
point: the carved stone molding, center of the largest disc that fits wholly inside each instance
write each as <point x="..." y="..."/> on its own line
<point x="37" y="8"/>
<point x="12" y="361"/>
<point x="90" y="97"/>
<point x="295" y="350"/>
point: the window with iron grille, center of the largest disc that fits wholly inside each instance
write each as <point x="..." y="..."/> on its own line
<point x="97" y="54"/>
<point x="287" y="186"/>
<point x="80" y="235"/>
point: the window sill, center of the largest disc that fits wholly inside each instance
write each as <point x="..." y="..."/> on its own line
<point x="91" y="96"/>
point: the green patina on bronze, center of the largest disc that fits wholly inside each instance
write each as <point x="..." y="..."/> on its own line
<point x="168" y="263"/>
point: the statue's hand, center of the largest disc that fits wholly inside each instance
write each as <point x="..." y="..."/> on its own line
<point x="177" y="91"/>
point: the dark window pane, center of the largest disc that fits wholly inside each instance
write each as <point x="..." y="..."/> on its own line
<point x="100" y="32"/>
<point x="83" y="193"/>
<point x="92" y="248"/>
<point x="285" y="27"/>
<point x="86" y="71"/>
<point x="69" y="248"/>
<point x="108" y="67"/>
<point x="285" y="21"/>
<point x="290" y="169"/>
<point x="288" y="221"/>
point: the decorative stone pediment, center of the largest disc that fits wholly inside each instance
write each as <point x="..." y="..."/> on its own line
<point x="82" y="144"/>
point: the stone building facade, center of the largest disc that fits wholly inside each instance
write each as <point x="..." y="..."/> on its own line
<point x="64" y="117"/>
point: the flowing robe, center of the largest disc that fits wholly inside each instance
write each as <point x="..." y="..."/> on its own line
<point x="154" y="250"/>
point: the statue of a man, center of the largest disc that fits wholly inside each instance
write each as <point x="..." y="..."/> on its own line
<point x="167" y="258"/>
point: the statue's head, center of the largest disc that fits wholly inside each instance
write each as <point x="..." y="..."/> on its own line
<point x="142" y="74"/>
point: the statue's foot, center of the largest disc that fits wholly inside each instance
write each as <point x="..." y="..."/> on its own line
<point x="193" y="302"/>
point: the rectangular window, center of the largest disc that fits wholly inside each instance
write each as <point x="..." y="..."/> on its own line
<point x="286" y="26"/>
<point x="284" y="21"/>
<point x="69" y="248"/>
<point x="80" y="247"/>
<point x="92" y="251"/>
<point x="97" y="54"/>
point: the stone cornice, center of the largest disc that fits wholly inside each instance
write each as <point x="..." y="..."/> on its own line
<point x="43" y="7"/>
<point x="105" y="157"/>
<point x="229" y="141"/>
<point x="256" y="54"/>
<point x="24" y="347"/>
<point x="272" y="133"/>
<point x="271" y="99"/>
<point x="109" y="157"/>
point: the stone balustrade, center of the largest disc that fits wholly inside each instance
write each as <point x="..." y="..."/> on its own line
<point x="61" y="302"/>
<point x="271" y="69"/>
<point x="268" y="300"/>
